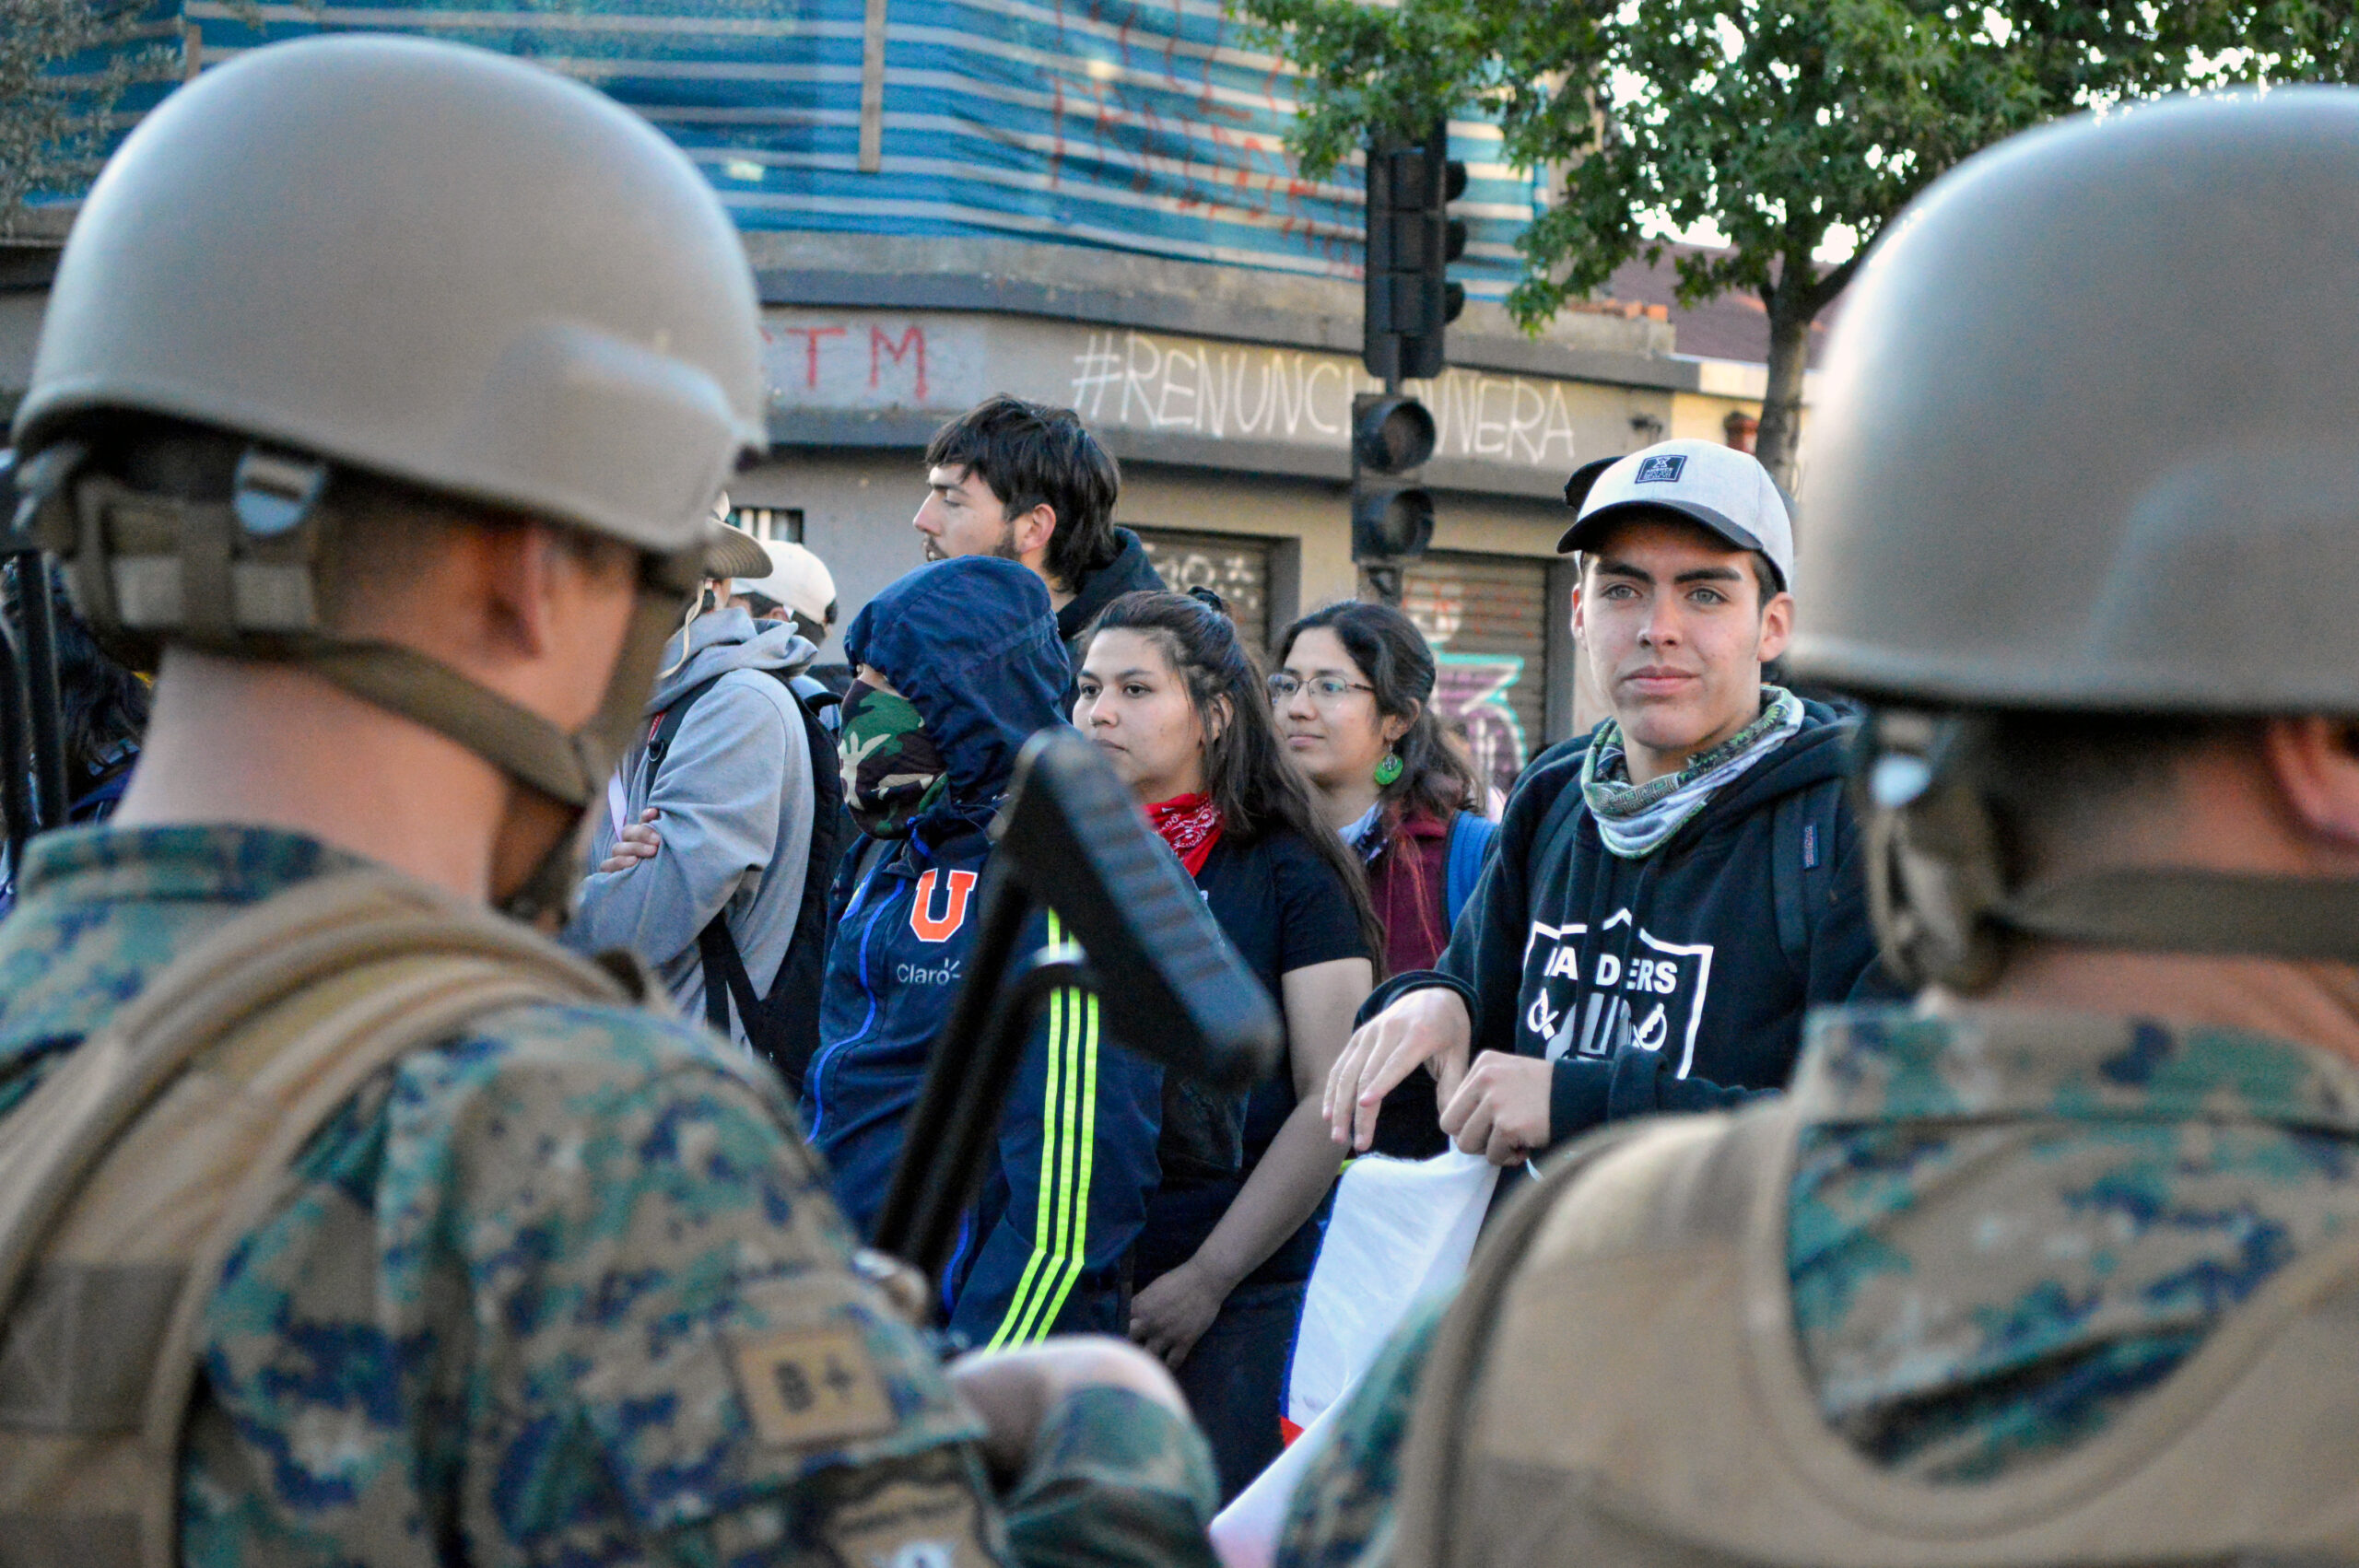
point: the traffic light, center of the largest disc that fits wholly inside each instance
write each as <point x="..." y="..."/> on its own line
<point x="1392" y="517"/>
<point x="1411" y="239"/>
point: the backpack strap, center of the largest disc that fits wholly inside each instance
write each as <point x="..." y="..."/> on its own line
<point x="133" y="1170"/>
<point x="1471" y="838"/>
<point x="1559" y="825"/>
<point x="1802" y="865"/>
<point x="774" y="1035"/>
<point x="726" y="980"/>
<point x="666" y="726"/>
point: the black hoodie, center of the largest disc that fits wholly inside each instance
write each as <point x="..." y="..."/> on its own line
<point x="1128" y="572"/>
<point x="1676" y="982"/>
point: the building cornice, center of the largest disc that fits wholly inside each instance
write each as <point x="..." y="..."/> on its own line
<point x="1153" y="294"/>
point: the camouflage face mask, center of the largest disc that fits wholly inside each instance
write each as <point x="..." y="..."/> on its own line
<point x="891" y="768"/>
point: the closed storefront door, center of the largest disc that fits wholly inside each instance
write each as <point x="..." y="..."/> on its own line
<point x="1487" y="618"/>
<point x="1235" y="566"/>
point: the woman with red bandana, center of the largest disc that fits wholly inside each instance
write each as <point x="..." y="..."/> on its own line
<point x="1177" y="705"/>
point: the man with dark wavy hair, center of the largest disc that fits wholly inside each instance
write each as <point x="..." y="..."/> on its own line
<point x="1028" y="482"/>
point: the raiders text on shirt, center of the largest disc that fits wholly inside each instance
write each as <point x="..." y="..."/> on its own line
<point x="1625" y="987"/>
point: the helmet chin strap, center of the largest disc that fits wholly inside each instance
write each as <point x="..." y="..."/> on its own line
<point x="238" y="578"/>
<point x="570" y="768"/>
<point x="2179" y="909"/>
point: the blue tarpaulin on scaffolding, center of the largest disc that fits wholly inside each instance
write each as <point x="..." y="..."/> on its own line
<point x="1153" y="128"/>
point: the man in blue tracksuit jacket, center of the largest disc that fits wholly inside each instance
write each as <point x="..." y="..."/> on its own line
<point x="959" y="663"/>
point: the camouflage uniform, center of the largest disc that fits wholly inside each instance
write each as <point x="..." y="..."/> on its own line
<point x="2003" y="1227"/>
<point x="565" y="1290"/>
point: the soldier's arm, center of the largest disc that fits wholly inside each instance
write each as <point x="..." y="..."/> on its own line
<point x="670" y="1318"/>
<point x="1107" y="1467"/>
<point x="1113" y="1478"/>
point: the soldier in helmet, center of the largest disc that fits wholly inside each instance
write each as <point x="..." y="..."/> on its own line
<point x="2056" y="1265"/>
<point x="384" y="394"/>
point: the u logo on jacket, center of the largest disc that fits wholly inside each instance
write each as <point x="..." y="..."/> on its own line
<point x="931" y="927"/>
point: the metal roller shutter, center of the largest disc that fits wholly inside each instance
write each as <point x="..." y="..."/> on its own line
<point x="1233" y="566"/>
<point x="1486" y="617"/>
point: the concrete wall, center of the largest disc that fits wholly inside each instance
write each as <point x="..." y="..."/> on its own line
<point x="856" y="504"/>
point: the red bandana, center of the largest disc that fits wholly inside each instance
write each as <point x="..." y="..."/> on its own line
<point x="1191" y="824"/>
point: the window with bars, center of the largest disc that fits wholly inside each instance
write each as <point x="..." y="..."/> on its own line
<point x="1236" y="566"/>
<point x="1486" y="618"/>
<point x="784" y="524"/>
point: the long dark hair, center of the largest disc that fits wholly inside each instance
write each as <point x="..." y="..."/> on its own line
<point x="1393" y="655"/>
<point x="1246" y="770"/>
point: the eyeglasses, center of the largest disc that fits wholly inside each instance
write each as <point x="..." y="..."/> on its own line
<point x="1325" y="690"/>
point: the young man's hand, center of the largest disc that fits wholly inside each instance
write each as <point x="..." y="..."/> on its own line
<point x="1013" y="1391"/>
<point x="1426" y="1028"/>
<point x="633" y="844"/>
<point x="1500" y="1110"/>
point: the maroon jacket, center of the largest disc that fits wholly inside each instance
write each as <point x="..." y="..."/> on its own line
<point x="1408" y="883"/>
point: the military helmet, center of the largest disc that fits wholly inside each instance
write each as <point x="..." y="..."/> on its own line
<point x="2083" y="445"/>
<point x="427" y="261"/>
<point x="2084" y="438"/>
<point x="414" y="262"/>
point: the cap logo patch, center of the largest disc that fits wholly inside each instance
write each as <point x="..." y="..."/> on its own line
<point x="1661" y="469"/>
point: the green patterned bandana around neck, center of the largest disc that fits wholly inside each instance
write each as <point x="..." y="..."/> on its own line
<point x="892" y="770"/>
<point x="1635" y="819"/>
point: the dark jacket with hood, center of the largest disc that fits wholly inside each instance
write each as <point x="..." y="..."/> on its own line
<point x="1677" y="981"/>
<point x="1128" y="572"/>
<point x="970" y="644"/>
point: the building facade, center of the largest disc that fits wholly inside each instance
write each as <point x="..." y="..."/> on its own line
<point x="1091" y="205"/>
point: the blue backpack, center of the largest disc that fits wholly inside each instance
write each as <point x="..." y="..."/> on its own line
<point x="1471" y="838"/>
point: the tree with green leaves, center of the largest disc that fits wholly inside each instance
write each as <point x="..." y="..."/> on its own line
<point x="64" y="66"/>
<point x="1783" y="123"/>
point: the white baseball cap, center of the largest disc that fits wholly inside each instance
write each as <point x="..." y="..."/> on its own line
<point x="1725" y="491"/>
<point x="797" y="579"/>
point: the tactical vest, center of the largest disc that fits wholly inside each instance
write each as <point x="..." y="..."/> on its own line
<point x="128" y="1176"/>
<point x="1619" y="1383"/>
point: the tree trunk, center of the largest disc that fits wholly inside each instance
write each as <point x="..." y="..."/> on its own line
<point x="1781" y="403"/>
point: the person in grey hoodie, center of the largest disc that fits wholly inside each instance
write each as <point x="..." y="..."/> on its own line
<point x="720" y="823"/>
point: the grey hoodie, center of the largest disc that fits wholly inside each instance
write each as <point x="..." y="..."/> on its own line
<point x="735" y="798"/>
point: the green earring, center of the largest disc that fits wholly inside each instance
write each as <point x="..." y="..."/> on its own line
<point x="1387" y="771"/>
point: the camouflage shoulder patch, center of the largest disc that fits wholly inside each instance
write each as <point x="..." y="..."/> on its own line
<point x="812" y="1386"/>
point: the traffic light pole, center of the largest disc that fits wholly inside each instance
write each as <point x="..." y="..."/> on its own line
<point x="1411" y="239"/>
<point x="1382" y="580"/>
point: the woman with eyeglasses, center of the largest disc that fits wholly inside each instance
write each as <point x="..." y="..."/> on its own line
<point x="1177" y="705"/>
<point x="1353" y="694"/>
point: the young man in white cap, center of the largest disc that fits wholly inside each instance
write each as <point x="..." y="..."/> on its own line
<point x="1672" y="890"/>
<point x="797" y="587"/>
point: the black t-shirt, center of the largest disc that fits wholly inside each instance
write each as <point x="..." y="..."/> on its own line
<point x="1282" y="908"/>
